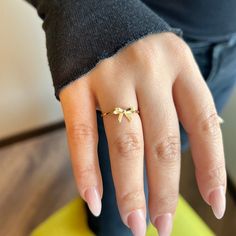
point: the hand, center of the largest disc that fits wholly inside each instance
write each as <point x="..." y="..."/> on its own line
<point x="159" y="76"/>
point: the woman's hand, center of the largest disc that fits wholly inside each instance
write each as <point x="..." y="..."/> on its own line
<point x="159" y="76"/>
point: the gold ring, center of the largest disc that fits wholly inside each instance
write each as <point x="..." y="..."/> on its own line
<point x="129" y="111"/>
<point x="221" y="121"/>
<point x="122" y="112"/>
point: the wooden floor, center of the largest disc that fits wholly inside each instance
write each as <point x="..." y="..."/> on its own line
<point x="36" y="180"/>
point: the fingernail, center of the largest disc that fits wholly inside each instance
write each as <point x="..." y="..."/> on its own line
<point x="218" y="202"/>
<point x="93" y="200"/>
<point x="137" y="223"/>
<point x="163" y="224"/>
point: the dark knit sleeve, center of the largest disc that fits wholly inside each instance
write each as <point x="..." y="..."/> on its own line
<point x="79" y="33"/>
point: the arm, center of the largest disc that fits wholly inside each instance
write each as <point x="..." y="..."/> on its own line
<point x="81" y="33"/>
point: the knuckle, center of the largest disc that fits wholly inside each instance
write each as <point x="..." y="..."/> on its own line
<point x="167" y="203"/>
<point x="209" y="125"/>
<point x="184" y="50"/>
<point x="216" y="175"/>
<point x="82" y="133"/>
<point x="177" y="45"/>
<point x="181" y="54"/>
<point x="168" y="150"/>
<point x="128" y="143"/>
<point x="134" y="196"/>
<point x="83" y="173"/>
<point x="145" y="56"/>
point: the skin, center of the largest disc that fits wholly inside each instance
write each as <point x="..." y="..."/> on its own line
<point x="158" y="75"/>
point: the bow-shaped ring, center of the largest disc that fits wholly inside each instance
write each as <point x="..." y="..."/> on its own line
<point x="122" y="112"/>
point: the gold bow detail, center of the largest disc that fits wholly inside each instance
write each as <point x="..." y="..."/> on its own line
<point x="121" y="112"/>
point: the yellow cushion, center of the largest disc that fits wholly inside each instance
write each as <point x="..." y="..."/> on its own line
<point x="71" y="221"/>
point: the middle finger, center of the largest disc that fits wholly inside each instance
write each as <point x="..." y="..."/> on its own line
<point x="162" y="150"/>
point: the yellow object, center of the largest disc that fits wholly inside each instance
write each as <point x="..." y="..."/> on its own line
<point x="71" y="221"/>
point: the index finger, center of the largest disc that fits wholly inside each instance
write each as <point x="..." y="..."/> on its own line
<point x="79" y="110"/>
<point x="197" y="112"/>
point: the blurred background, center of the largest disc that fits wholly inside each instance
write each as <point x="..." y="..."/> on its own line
<point x="35" y="176"/>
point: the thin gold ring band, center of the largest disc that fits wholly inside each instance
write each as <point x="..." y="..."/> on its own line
<point x="129" y="111"/>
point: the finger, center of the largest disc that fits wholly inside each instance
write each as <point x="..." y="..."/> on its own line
<point x="162" y="150"/>
<point x="198" y="114"/>
<point x="125" y="142"/>
<point x="80" y="118"/>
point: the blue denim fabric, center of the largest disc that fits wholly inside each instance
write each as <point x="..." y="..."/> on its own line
<point x="217" y="62"/>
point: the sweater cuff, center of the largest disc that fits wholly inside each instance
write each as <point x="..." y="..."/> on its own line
<point x="80" y="33"/>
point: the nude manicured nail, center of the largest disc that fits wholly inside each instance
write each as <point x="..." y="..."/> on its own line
<point x="137" y="223"/>
<point x="163" y="224"/>
<point x="218" y="202"/>
<point x="93" y="200"/>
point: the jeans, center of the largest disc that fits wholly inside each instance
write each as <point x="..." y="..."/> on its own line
<point x="217" y="62"/>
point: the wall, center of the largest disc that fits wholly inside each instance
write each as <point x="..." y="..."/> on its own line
<point x="26" y="93"/>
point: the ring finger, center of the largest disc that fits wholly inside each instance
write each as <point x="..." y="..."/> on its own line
<point x="125" y="140"/>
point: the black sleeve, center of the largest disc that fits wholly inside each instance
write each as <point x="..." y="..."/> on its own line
<point x="79" y="33"/>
